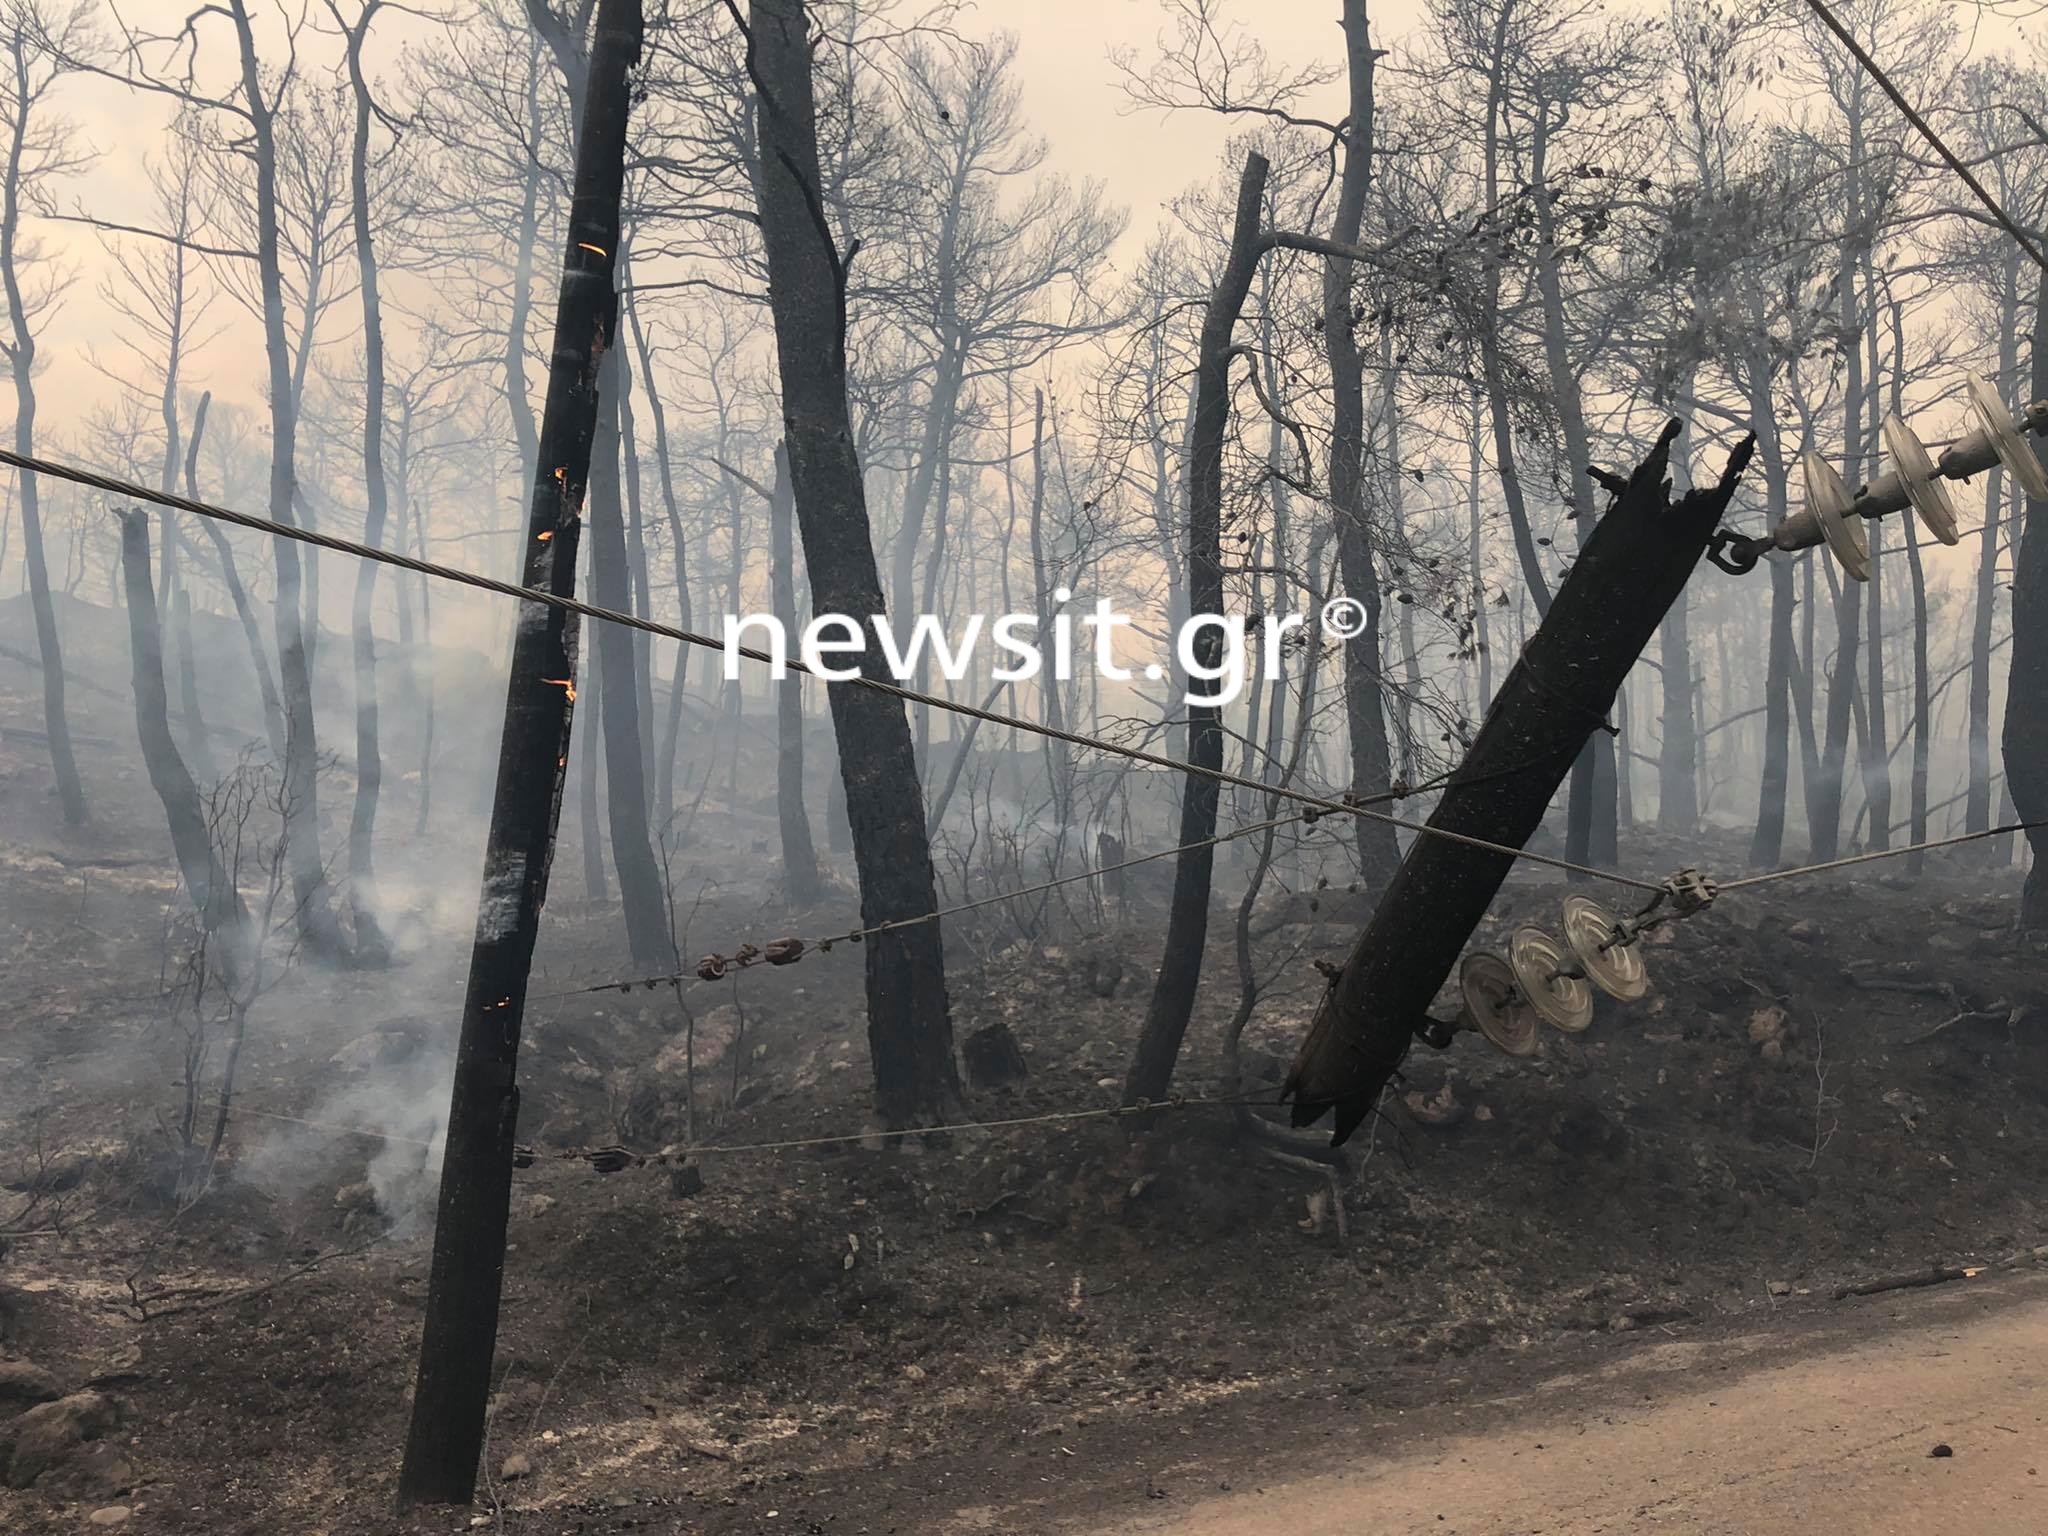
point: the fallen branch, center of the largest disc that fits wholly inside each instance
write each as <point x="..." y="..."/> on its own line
<point x="1974" y="1016"/>
<point x="1939" y="1275"/>
<point x="141" y="1303"/>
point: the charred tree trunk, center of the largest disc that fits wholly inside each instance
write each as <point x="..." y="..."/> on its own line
<point x="1058" y="755"/>
<point x="2026" y="689"/>
<point x="664" y="803"/>
<point x="1365" y="709"/>
<point x="467" y="1280"/>
<point x="1767" y="846"/>
<point x="1977" y="804"/>
<point x="1187" y="923"/>
<point x="1635" y="563"/>
<point x="371" y="948"/>
<point x="910" y="1027"/>
<point x="21" y="357"/>
<point x="207" y="881"/>
<point x="799" y="856"/>
<point x="589" y="769"/>
<point x="643" y="902"/>
<point x="1591" y="833"/>
<point x="313" y="911"/>
<point x="637" y="576"/>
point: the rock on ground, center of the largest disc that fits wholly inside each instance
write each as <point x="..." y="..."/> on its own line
<point x="48" y="1434"/>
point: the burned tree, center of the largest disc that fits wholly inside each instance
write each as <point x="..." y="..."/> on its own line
<point x="371" y="946"/>
<point x="1634" y="565"/>
<point x="467" y="1280"/>
<point x="36" y="150"/>
<point x="1187" y="924"/>
<point x="640" y="884"/>
<point x="910" y="1027"/>
<point x="208" y="881"/>
<point x="1364" y="689"/>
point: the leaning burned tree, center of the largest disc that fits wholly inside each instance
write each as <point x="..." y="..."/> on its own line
<point x="1632" y="568"/>
<point x="463" y="1294"/>
<point x="910" y="1029"/>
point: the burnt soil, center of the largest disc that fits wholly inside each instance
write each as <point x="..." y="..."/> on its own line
<point x="1835" y="1078"/>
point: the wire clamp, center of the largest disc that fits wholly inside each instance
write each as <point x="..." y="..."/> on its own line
<point x="1735" y="553"/>
<point x="1690" y="892"/>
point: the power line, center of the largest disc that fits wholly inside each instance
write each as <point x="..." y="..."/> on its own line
<point x="1882" y="853"/>
<point x="857" y="935"/>
<point x="1352" y="805"/>
<point x="1876" y="72"/>
<point x="611" y="1158"/>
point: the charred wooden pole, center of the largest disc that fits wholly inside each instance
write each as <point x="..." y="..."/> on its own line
<point x="2025" y="738"/>
<point x="1630" y="572"/>
<point x="467" y="1280"/>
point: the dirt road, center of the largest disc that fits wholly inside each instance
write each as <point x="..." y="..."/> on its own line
<point x="1743" y="1437"/>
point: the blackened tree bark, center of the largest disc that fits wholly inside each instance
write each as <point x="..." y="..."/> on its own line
<point x="31" y="150"/>
<point x="371" y="947"/>
<point x="1591" y="833"/>
<point x="314" y="913"/>
<point x="799" y="856"/>
<point x="2025" y="740"/>
<point x="238" y="594"/>
<point x="1187" y="922"/>
<point x="467" y="1280"/>
<point x="910" y="1027"/>
<point x="641" y="898"/>
<point x="664" y="802"/>
<point x="1767" y="845"/>
<point x="1634" y="564"/>
<point x="589" y="766"/>
<point x="207" y="881"/>
<point x="1977" y="801"/>
<point x="1365" y="712"/>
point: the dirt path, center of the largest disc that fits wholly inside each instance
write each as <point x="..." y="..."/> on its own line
<point x="1835" y="1438"/>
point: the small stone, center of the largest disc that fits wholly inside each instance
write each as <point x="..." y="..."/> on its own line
<point x="1780" y="1288"/>
<point x="516" y="1466"/>
<point x="113" y="1514"/>
<point x="1942" y="1450"/>
<point x="539" y="1205"/>
<point x="913" y="1373"/>
<point x="1621" y="1322"/>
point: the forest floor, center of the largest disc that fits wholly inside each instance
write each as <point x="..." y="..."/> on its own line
<point x="1835" y="1079"/>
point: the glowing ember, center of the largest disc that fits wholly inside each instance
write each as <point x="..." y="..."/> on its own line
<point x="563" y="682"/>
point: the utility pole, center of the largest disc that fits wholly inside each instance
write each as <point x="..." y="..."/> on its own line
<point x="467" y="1283"/>
<point x="2025" y="740"/>
<point x="1631" y="570"/>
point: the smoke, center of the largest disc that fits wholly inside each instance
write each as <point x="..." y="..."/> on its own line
<point x="395" y="1105"/>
